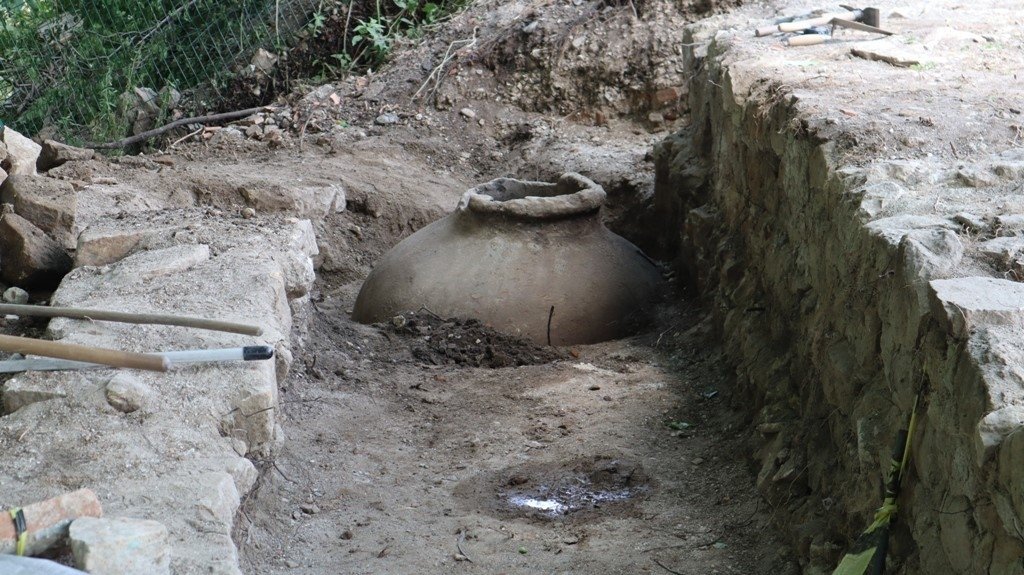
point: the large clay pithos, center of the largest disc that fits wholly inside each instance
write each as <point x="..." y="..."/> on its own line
<point x="527" y="258"/>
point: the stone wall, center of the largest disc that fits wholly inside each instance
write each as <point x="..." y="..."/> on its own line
<point x="175" y="447"/>
<point x="843" y="283"/>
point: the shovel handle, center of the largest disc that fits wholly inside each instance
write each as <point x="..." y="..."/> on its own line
<point x="111" y="357"/>
<point x="767" y="30"/>
<point x="806" y="40"/>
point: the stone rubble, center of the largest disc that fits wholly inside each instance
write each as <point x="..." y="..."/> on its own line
<point x="168" y="446"/>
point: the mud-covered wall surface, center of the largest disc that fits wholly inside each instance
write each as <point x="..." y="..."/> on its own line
<point x="853" y="225"/>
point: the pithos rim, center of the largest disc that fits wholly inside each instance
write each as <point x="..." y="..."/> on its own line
<point x="571" y="195"/>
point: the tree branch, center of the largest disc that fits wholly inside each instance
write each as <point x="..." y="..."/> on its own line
<point x="212" y="118"/>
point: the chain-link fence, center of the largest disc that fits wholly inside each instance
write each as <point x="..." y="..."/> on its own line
<point x="93" y="70"/>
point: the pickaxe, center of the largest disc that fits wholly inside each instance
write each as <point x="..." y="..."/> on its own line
<point x="813" y="37"/>
<point x="866" y="16"/>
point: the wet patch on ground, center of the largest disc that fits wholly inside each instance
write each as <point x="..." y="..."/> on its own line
<point x="590" y="488"/>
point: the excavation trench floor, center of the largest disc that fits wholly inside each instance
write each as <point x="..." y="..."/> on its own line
<point x="621" y="457"/>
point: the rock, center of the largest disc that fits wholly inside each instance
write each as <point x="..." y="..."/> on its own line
<point x="55" y="153"/>
<point x="965" y="303"/>
<point x="47" y="203"/>
<point x="994" y="428"/>
<point x="890" y="52"/>
<point x="264" y="61"/>
<point x="468" y="113"/>
<point x="126" y="394"/>
<point x="3" y="151"/>
<point x="273" y="136"/>
<point x="318" y="95"/>
<point x="3" y="176"/>
<point x="120" y="546"/>
<point x="386" y="119"/>
<point x="16" y="295"/>
<point x="976" y="177"/>
<point x="665" y="97"/>
<point x="98" y="246"/>
<point x="314" y="202"/>
<point x="227" y="134"/>
<point x="248" y="213"/>
<point x="1003" y="251"/>
<point x="30" y="257"/>
<point x="22" y="153"/>
<point x="1009" y="224"/>
<point x="142" y="108"/>
<point x="931" y="253"/>
<point x="310" y="508"/>
<point x="970" y="221"/>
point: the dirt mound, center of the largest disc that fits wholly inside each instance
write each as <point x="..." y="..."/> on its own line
<point x="465" y="342"/>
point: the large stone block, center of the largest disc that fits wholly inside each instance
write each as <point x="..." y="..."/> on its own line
<point x="49" y="204"/>
<point x="22" y="153"/>
<point x="120" y="546"/>
<point x="304" y="202"/>
<point x="56" y="153"/>
<point x="30" y="258"/>
<point x="962" y="304"/>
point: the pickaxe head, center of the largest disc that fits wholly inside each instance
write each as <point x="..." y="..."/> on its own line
<point x="869" y="16"/>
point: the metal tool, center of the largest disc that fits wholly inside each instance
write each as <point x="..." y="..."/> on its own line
<point x="867" y="16"/>
<point x="247" y="353"/>
<point x="814" y="35"/>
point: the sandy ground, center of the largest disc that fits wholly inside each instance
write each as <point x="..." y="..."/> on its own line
<point x="610" y="462"/>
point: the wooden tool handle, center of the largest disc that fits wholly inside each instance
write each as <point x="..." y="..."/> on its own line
<point x="767" y="30"/>
<point x="123" y="317"/>
<point x="806" y="40"/>
<point x="111" y="357"/>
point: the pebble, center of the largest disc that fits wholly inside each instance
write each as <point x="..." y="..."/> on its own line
<point x="386" y="119"/>
<point x="126" y="394"/>
<point x="346" y="534"/>
<point x="310" y="508"/>
<point x="248" y="213"/>
<point x="468" y="113"/>
<point x="16" y="295"/>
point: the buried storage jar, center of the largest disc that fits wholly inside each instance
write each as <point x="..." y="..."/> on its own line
<point x="531" y="259"/>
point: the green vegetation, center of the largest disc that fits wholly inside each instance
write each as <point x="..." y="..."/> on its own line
<point x="75" y="64"/>
<point x="354" y="35"/>
<point x="81" y="67"/>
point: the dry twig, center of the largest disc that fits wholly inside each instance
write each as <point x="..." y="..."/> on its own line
<point x="438" y="73"/>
